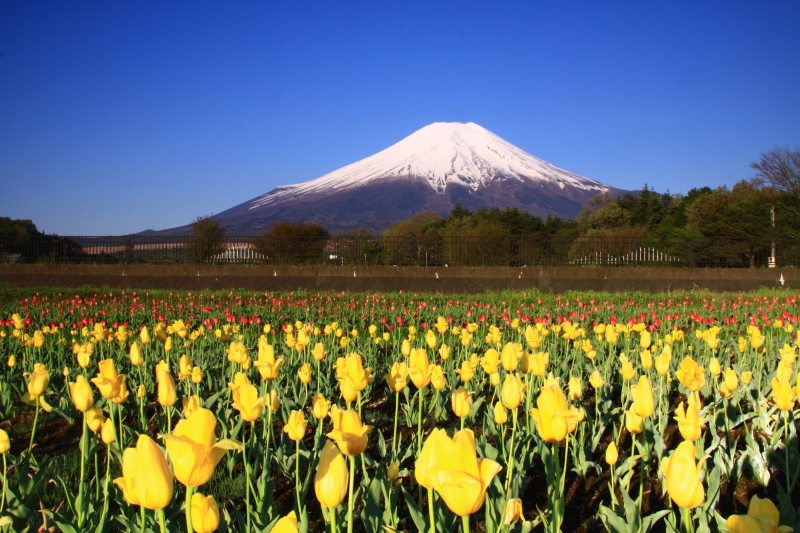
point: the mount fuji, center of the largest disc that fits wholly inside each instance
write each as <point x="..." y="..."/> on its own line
<point x="431" y="169"/>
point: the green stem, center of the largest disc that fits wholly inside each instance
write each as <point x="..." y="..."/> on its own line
<point x="564" y="471"/>
<point x="333" y="519"/>
<point x="33" y="431"/>
<point x="430" y="511"/>
<point x="394" y="433"/>
<point x="350" y="494"/>
<point x="188" y="508"/>
<point x="687" y="520"/>
<point x="465" y="523"/>
<point x="419" y="425"/>
<point x="297" y="474"/>
<point x="247" y="481"/>
<point x="509" y="474"/>
<point x="162" y="521"/>
<point x="141" y="518"/>
<point x="83" y="470"/>
<point x="3" y="498"/>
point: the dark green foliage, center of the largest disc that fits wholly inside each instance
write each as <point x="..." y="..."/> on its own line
<point x="208" y="241"/>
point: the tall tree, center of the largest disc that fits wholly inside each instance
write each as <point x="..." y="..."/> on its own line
<point x="780" y="168"/>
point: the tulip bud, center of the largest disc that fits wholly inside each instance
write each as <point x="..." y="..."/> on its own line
<point x="320" y="406"/>
<point x="197" y="375"/>
<point x="747" y="377"/>
<point x="81" y="393"/>
<point x="144" y="336"/>
<point x="512" y="392"/>
<point x="287" y="524"/>
<point x="141" y="392"/>
<point x="330" y="483"/>
<point x="295" y="428"/>
<point x="513" y="511"/>
<point x="136" y="354"/>
<point x="273" y="402"/>
<point x="596" y="380"/>
<point x="12" y="361"/>
<point x="304" y="373"/>
<point x="94" y="419"/>
<point x="633" y="422"/>
<point x="683" y="476"/>
<point x="38" y="380"/>
<point x="5" y="442"/>
<point x="713" y="367"/>
<point x="65" y="372"/>
<point x="612" y="455"/>
<point x="643" y="397"/>
<point x="647" y="359"/>
<point x="462" y="402"/>
<point x="205" y="513"/>
<point x="167" y="394"/>
<point x="393" y="472"/>
<point x="575" y="391"/>
<point x="107" y="431"/>
<point x="500" y="415"/>
<point x="168" y="344"/>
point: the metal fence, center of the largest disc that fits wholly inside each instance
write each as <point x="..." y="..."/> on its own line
<point x="404" y="251"/>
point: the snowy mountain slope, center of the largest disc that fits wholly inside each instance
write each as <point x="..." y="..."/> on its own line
<point x="444" y="154"/>
<point x="430" y="170"/>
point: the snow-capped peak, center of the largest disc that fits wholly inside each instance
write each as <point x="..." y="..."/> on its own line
<point x="443" y="153"/>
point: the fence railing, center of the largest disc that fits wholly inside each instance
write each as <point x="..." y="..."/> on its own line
<point x="405" y="251"/>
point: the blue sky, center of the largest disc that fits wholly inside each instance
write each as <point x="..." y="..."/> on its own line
<point x="122" y="116"/>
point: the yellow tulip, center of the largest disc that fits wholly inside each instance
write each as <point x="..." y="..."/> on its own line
<point x="762" y="516"/>
<point x="393" y="471"/>
<point x="783" y="394"/>
<point x="500" y="415"/>
<point x="141" y="392"/>
<point x="273" y="402"/>
<point x="247" y="402"/>
<point x="81" y="393"/>
<point x="633" y="422"/>
<point x="683" y="476"/>
<point x="747" y="377"/>
<point x="552" y="413"/>
<point x="730" y="380"/>
<point x="168" y="344"/>
<point x="513" y="391"/>
<point x="444" y="352"/>
<point x="190" y="405"/>
<point x="128" y="480"/>
<point x="509" y="357"/>
<point x="136" y="354"/>
<point x="205" y="513"/>
<point x="574" y="388"/>
<point x="662" y="363"/>
<point x="18" y="321"/>
<point x="5" y="442"/>
<point x="465" y="371"/>
<point x="167" y="394"/>
<point x="462" y="402"/>
<point x="349" y="433"/>
<point x="320" y="406"/>
<point x="643" y="397"/>
<point x="513" y="511"/>
<point x="330" y="483"/>
<point x="184" y="367"/>
<point x="84" y="354"/>
<point x="151" y="478"/>
<point x="295" y="428"/>
<point x="287" y="524"/>
<point x="490" y="361"/>
<point x="304" y="373"/>
<point x="319" y="351"/>
<point x="425" y="466"/>
<point x="107" y="432"/>
<point x="95" y="419"/>
<point x="266" y="364"/>
<point x="418" y="368"/>
<point x="108" y="381"/>
<point x="645" y="339"/>
<point x="714" y="367"/>
<point x="197" y="375"/>
<point x="405" y="347"/>
<point x="460" y="478"/>
<point x="689" y="422"/>
<point x="596" y="379"/>
<point x="691" y="375"/>
<point x="194" y="450"/>
<point x="647" y="359"/>
<point x="438" y="379"/>
<point x="12" y="361"/>
<point x="627" y="371"/>
<point x="397" y="377"/>
<point x="353" y="375"/>
<point x="612" y="455"/>
<point x="38" y="380"/>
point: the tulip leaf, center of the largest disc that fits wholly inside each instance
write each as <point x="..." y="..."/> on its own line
<point x="371" y="515"/>
<point x="209" y="404"/>
<point x="416" y="515"/>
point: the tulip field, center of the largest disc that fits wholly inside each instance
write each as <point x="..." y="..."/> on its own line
<point x="340" y="412"/>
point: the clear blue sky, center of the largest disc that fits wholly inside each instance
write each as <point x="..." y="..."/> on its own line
<point x="117" y="117"/>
